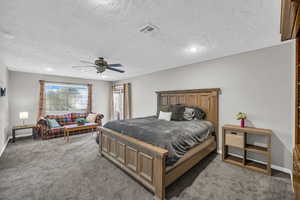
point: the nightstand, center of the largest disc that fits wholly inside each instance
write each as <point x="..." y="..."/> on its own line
<point x="237" y="137"/>
<point x="21" y="127"/>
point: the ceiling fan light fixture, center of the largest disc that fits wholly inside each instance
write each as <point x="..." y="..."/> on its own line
<point x="100" y="70"/>
<point x="102" y="2"/>
<point x="103" y="76"/>
<point x="49" y="69"/>
<point x="193" y="49"/>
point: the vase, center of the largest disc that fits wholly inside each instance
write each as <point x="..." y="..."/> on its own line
<point x="243" y="123"/>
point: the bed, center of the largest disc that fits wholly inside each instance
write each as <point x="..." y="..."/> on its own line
<point x="148" y="162"/>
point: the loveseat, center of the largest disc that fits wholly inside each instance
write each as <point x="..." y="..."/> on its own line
<point x="44" y="130"/>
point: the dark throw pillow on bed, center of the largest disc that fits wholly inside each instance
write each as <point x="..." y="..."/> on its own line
<point x="199" y="113"/>
<point x="177" y="112"/>
<point x="192" y="113"/>
<point x="163" y="109"/>
<point x="189" y="114"/>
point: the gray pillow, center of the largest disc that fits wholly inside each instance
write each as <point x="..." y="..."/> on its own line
<point x="194" y="113"/>
<point x="189" y="114"/>
<point x="199" y="113"/>
<point x="177" y="112"/>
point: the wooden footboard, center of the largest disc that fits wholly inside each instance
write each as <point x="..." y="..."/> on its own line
<point x="145" y="162"/>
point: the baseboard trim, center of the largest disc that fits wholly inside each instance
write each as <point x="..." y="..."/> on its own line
<point x="282" y="169"/>
<point x="4" y="147"/>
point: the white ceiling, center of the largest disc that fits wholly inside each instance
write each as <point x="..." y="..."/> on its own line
<point x="36" y="35"/>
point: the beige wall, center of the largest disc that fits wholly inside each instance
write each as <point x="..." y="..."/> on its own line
<point x="4" y="114"/>
<point x="258" y="83"/>
<point x="24" y="91"/>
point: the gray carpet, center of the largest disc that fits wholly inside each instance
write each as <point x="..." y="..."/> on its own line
<point x="50" y="170"/>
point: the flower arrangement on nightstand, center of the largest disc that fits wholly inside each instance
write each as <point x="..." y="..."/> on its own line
<point x="241" y="116"/>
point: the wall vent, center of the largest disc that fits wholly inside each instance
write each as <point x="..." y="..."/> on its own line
<point x="148" y="28"/>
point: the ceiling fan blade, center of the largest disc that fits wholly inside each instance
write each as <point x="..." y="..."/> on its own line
<point x="87" y="66"/>
<point x="115" y="65"/>
<point x="117" y="70"/>
<point x="88" y="62"/>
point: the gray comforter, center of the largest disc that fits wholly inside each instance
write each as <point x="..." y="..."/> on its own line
<point x="177" y="137"/>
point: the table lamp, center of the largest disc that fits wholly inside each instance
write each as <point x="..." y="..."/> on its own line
<point x="23" y="116"/>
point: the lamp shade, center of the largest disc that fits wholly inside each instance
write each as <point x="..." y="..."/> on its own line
<point x="23" y="115"/>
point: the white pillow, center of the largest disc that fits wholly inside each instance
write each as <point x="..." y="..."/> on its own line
<point x="165" y="115"/>
<point x="91" y="118"/>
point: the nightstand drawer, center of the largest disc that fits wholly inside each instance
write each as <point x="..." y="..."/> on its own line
<point x="234" y="140"/>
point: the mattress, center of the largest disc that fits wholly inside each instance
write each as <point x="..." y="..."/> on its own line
<point x="178" y="137"/>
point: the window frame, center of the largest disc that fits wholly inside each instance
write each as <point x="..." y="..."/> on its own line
<point x="117" y="89"/>
<point x="88" y="106"/>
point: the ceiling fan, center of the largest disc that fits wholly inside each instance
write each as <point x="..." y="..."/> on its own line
<point x="100" y="65"/>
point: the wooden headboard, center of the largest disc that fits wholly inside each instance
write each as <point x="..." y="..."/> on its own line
<point x="206" y="99"/>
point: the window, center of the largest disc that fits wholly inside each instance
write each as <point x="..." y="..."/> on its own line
<point x="118" y="102"/>
<point x="65" y="98"/>
<point x="121" y="101"/>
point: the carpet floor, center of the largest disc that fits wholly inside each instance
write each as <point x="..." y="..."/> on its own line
<point x="53" y="170"/>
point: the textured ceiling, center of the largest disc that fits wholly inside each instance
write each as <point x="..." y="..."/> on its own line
<point x="36" y="35"/>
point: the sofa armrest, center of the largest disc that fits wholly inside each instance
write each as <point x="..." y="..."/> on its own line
<point x="99" y="119"/>
<point x="42" y="127"/>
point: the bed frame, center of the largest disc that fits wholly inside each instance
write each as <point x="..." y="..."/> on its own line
<point x="145" y="162"/>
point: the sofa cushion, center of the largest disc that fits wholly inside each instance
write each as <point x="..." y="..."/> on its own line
<point x="78" y="115"/>
<point x="53" y="123"/>
<point x="68" y="117"/>
<point x="91" y="117"/>
<point x="61" y="119"/>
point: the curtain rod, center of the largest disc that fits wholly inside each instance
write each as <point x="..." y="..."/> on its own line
<point x="120" y="84"/>
<point x="68" y="83"/>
